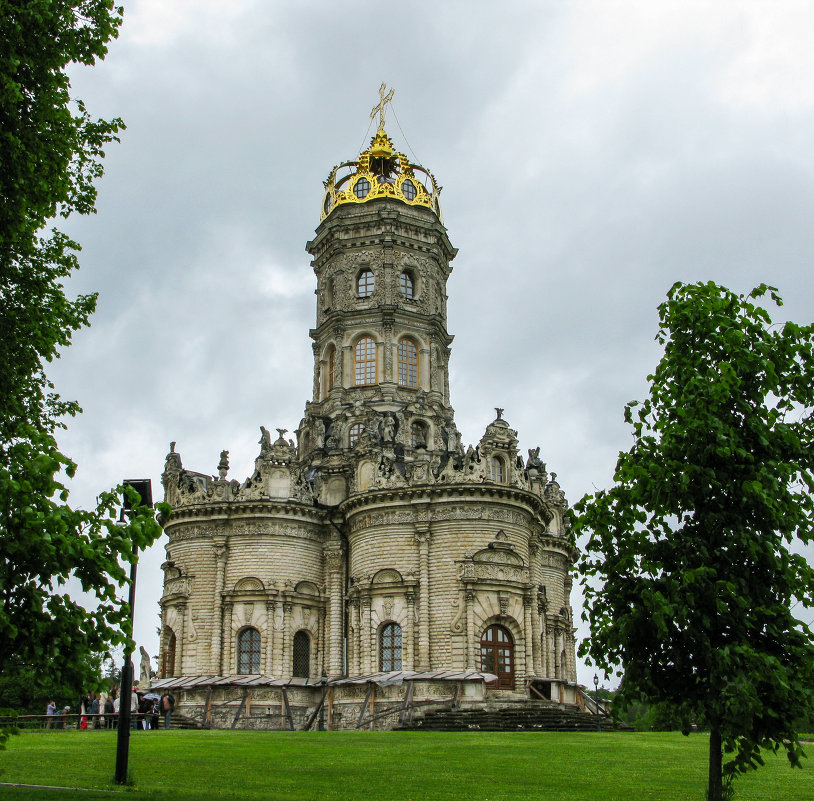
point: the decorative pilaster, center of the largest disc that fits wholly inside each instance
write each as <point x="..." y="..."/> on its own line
<point x="228" y="663"/>
<point x="333" y="569"/>
<point x="422" y="537"/>
<point x="364" y="635"/>
<point x="469" y="600"/>
<point x="539" y="636"/>
<point x="179" y="639"/>
<point x="354" y="666"/>
<point x="271" y="610"/>
<point x="287" y="668"/>
<point x="409" y="632"/>
<point x="220" y="550"/>
<point x="528" y="634"/>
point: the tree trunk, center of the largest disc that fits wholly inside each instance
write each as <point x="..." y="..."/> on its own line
<point x="714" y="786"/>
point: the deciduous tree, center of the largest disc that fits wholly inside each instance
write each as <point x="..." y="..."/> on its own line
<point x="50" y="154"/>
<point x="691" y="560"/>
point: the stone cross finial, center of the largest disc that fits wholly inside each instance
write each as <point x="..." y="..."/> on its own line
<point x="379" y="107"/>
<point x="499" y="412"/>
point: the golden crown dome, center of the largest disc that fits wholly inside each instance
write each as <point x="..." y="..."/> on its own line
<point x="380" y="172"/>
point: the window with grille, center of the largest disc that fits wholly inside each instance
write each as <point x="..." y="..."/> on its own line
<point x="408" y="363"/>
<point x="365" y="284"/>
<point x="301" y="655"/>
<point x="365" y="362"/>
<point x="248" y="651"/>
<point x="406" y="285"/>
<point x="497" y="471"/>
<point x="355" y="432"/>
<point x="390" y="647"/>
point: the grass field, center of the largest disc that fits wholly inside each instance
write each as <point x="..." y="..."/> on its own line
<point x="385" y="766"/>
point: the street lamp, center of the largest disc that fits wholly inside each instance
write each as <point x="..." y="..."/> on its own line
<point x="145" y="490"/>
<point x="596" y="701"/>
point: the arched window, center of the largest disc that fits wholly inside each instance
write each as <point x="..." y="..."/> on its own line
<point x="390" y="647"/>
<point x="365" y="284"/>
<point x="168" y="656"/>
<point x="365" y="362"/>
<point x="355" y="432"/>
<point x="331" y="367"/>
<point x="408" y="363"/>
<point x="418" y="434"/>
<point x="248" y="651"/>
<point x="406" y="285"/>
<point x="497" y="656"/>
<point x="497" y="470"/>
<point x="301" y="655"/>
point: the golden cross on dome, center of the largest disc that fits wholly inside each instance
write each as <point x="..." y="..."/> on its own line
<point x="379" y="107"/>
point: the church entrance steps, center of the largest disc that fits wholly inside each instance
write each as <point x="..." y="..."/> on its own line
<point x="179" y="721"/>
<point x="506" y="716"/>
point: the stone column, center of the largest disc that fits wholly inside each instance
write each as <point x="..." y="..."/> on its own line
<point x="469" y="600"/>
<point x="422" y="537"/>
<point x="216" y="655"/>
<point x="409" y="633"/>
<point x="271" y="608"/>
<point x="557" y="667"/>
<point x="528" y="634"/>
<point x="333" y="569"/>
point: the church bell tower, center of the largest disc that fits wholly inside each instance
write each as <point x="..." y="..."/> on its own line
<point x="381" y="346"/>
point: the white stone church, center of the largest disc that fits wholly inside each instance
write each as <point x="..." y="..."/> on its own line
<point x="375" y="565"/>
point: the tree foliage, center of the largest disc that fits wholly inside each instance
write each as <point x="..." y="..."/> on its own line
<point x="693" y="545"/>
<point x="50" y="154"/>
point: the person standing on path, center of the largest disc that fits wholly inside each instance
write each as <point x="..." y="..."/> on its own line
<point x="167" y="705"/>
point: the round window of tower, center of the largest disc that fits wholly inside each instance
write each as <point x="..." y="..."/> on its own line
<point x="408" y="190"/>
<point x="361" y="188"/>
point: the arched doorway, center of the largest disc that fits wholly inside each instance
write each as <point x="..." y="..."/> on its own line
<point x="497" y="656"/>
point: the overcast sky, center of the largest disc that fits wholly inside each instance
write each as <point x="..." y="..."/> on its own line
<point x="591" y="154"/>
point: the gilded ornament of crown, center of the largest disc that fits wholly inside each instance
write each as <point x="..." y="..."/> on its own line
<point x="380" y="172"/>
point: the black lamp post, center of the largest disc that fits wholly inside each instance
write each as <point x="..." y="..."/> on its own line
<point x="596" y="701"/>
<point x="144" y="488"/>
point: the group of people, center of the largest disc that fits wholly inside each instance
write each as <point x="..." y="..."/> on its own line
<point x="100" y="711"/>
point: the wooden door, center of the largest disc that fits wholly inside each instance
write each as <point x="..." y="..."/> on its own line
<point x="497" y="656"/>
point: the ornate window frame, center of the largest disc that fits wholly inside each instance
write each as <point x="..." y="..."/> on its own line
<point x="249" y="651"/>
<point x="408" y="371"/>
<point x="365" y="361"/>
<point x="390" y="647"/>
<point x="365" y="283"/>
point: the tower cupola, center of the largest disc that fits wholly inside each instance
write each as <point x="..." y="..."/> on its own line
<point x="380" y="172"/>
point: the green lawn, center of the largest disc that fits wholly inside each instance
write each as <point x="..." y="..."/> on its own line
<point x="386" y="766"/>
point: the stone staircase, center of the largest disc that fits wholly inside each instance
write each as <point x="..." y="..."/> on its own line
<point x="518" y="716"/>
<point x="179" y="721"/>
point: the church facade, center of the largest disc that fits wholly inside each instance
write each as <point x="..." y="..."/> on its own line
<point x="374" y="549"/>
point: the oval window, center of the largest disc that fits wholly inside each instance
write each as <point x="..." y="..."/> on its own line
<point x="361" y="188"/>
<point x="408" y="190"/>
